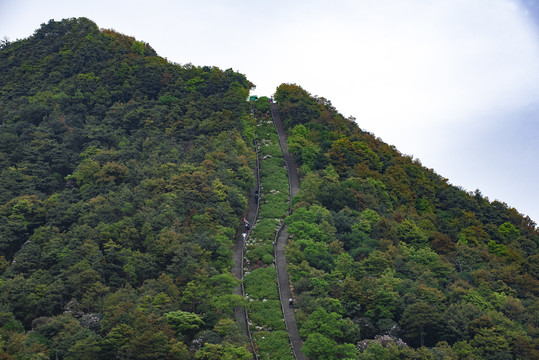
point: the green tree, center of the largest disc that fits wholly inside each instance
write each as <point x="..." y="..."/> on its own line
<point x="330" y="325"/>
<point x="411" y="234"/>
<point x="491" y="344"/>
<point x="421" y="321"/>
<point x="222" y="352"/>
<point x="319" y="347"/>
<point x="508" y="232"/>
<point x="184" y="322"/>
<point x="88" y="348"/>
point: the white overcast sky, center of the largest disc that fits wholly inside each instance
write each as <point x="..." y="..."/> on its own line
<point x="455" y="83"/>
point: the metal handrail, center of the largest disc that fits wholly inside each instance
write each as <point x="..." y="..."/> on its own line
<point x="243" y="253"/>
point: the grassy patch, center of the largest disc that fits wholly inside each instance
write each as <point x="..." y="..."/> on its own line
<point x="261" y="284"/>
<point x="276" y="206"/>
<point x="273" y="345"/>
<point x="265" y="230"/>
<point x="267" y="312"/>
<point x="259" y="254"/>
<point x="272" y="148"/>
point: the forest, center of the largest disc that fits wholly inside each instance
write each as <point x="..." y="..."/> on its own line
<point x="390" y="261"/>
<point x="123" y="181"/>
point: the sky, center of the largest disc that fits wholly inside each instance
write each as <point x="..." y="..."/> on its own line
<point x="453" y="83"/>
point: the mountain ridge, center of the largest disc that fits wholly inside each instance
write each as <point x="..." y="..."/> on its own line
<point x="124" y="178"/>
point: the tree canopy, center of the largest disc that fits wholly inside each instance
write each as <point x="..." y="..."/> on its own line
<point x="422" y="268"/>
<point x="122" y="180"/>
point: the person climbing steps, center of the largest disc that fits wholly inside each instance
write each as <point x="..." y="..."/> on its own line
<point x="280" y="258"/>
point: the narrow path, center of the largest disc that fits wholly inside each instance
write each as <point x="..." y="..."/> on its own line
<point x="240" y="313"/>
<point x="282" y="237"/>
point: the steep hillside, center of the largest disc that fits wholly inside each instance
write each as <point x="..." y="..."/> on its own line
<point x="387" y="255"/>
<point x="122" y="181"/>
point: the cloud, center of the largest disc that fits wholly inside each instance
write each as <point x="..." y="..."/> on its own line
<point x="445" y="81"/>
<point x="446" y="61"/>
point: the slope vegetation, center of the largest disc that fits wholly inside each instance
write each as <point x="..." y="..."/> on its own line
<point x="122" y="181"/>
<point x="388" y="259"/>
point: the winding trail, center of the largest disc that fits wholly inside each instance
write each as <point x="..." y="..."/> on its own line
<point x="240" y="312"/>
<point x="285" y="292"/>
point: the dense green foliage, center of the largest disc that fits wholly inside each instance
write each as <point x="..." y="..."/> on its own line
<point x="123" y="178"/>
<point x="385" y="249"/>
<point x="122" y="181"/>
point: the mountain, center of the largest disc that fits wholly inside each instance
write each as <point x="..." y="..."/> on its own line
<point x="123" y="182"/>
<point x="379" y="241"/>
<point x="122" y="179"/>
